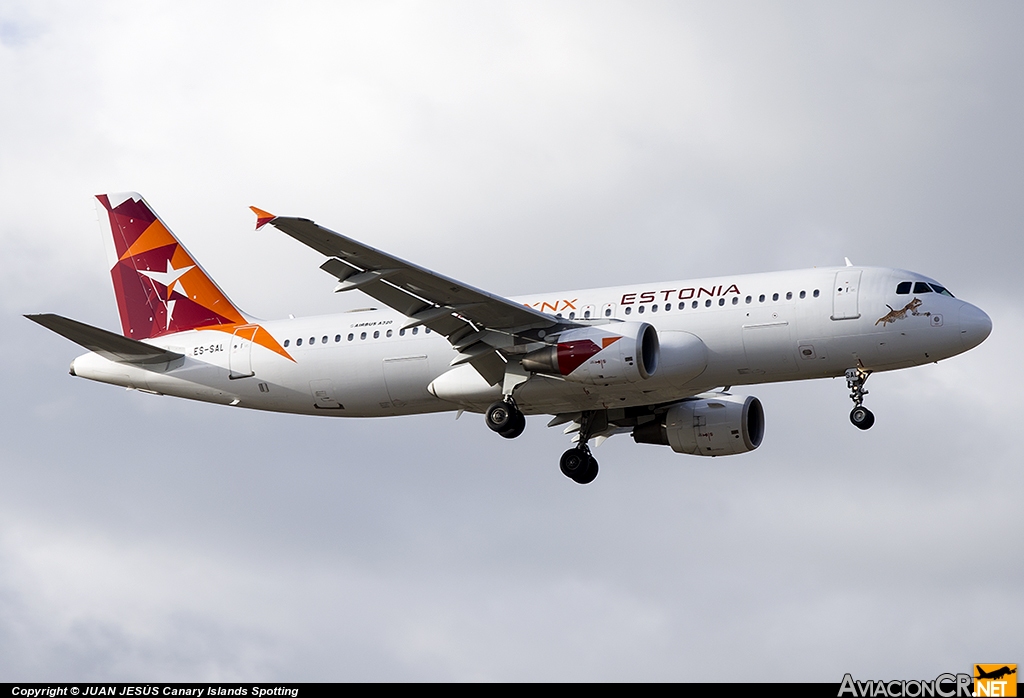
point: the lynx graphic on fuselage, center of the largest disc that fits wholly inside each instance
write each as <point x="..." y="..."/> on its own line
<point x="639" y="360"/>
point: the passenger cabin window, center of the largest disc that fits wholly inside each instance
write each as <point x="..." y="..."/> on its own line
<point x="707" y="303"/>
<point x="789" y="295"/>
<point x="922" y="287"/>
<point x="903" y="288"/>
<point x="803" y="294"/>
<point x="628" y="311"/>
<point x="682" y="305"/>
<point x="760" y="299"/>
<point x="298" y="342"/>
<point x="351" y="336"/>
<point x="607" y="312"/>
<point x="775" y="296"/>
<point x="337" y="338"/>
<point x="817" y="293"/>
<point x="286" y="342"/>
<point x="362" y="335"/>
<point x="721" y="301"/>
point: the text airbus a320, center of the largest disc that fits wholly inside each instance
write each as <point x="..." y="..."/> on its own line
<point x="648" y="360"/>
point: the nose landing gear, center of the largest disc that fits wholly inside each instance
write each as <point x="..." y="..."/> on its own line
<point x="860" y="416"/>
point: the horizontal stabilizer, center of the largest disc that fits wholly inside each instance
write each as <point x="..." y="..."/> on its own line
<point x="107" y="344"/>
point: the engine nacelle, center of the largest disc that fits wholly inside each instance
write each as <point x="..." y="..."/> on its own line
<point x="624" y="352"/>
<point x="721" y="425"/>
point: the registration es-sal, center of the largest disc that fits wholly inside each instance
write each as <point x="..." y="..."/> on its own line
<point x="652" y="360"/>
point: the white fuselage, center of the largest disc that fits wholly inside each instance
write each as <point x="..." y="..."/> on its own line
<point x="757" y="328"/>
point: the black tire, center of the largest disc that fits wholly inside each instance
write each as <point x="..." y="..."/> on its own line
<point x="862" y="418"/>
<point x="515" y="427"/>
<point x="575" y="463"/>
<point x="590" y="474"/>
<point x="500" y="416"/>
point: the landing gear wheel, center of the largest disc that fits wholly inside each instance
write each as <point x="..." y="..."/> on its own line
<point x="574" y="463"/>
<point x="501" y="416"/>
<point x="591" y="473"/>
<point x="505" y="418"/>
<point x="862" y="417"/>
<point x="579" y="466"/>
<point x="515" y="427"/>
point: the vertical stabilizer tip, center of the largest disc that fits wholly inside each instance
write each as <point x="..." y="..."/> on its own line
<point x="848" y="262"/>
<point x="262" y="217"/>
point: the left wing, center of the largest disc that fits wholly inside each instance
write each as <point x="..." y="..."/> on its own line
<point x="483" y="327"/>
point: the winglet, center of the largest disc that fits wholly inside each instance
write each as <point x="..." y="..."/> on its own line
<point x="262" y="217"/>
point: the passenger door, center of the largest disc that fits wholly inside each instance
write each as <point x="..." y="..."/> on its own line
<point x="845" y="295"/>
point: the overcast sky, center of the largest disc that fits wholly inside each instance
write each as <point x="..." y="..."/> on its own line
<point x="521" y="147"/>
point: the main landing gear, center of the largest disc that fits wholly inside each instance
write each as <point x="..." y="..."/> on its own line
<point x="577" y="464"/>
<point x="505" y="418"/>
<point x="860" y="416"/>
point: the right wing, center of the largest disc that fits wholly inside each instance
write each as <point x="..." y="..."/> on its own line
<point x="483" y="327"/>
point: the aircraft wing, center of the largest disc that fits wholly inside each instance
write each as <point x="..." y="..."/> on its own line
<point x="107" y="344"/>
<point x="477" y="323"/>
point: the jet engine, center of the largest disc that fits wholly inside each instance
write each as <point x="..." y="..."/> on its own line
<point x="624" y="352"/>
<point x="718" y="425"/>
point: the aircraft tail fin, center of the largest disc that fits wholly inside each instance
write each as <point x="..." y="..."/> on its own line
<point x="160" y="288"/>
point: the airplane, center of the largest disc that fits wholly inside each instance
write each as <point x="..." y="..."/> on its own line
<point x="654" y="360"/>
<point x="995" y="674"/>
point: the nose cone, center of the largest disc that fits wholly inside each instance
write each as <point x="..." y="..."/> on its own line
<point x="975" y="326"/>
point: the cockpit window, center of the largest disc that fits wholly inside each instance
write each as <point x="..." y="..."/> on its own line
<point x="942" y="290"/>
<point x="903" y="288"/>
<point x="922" y="287"/>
